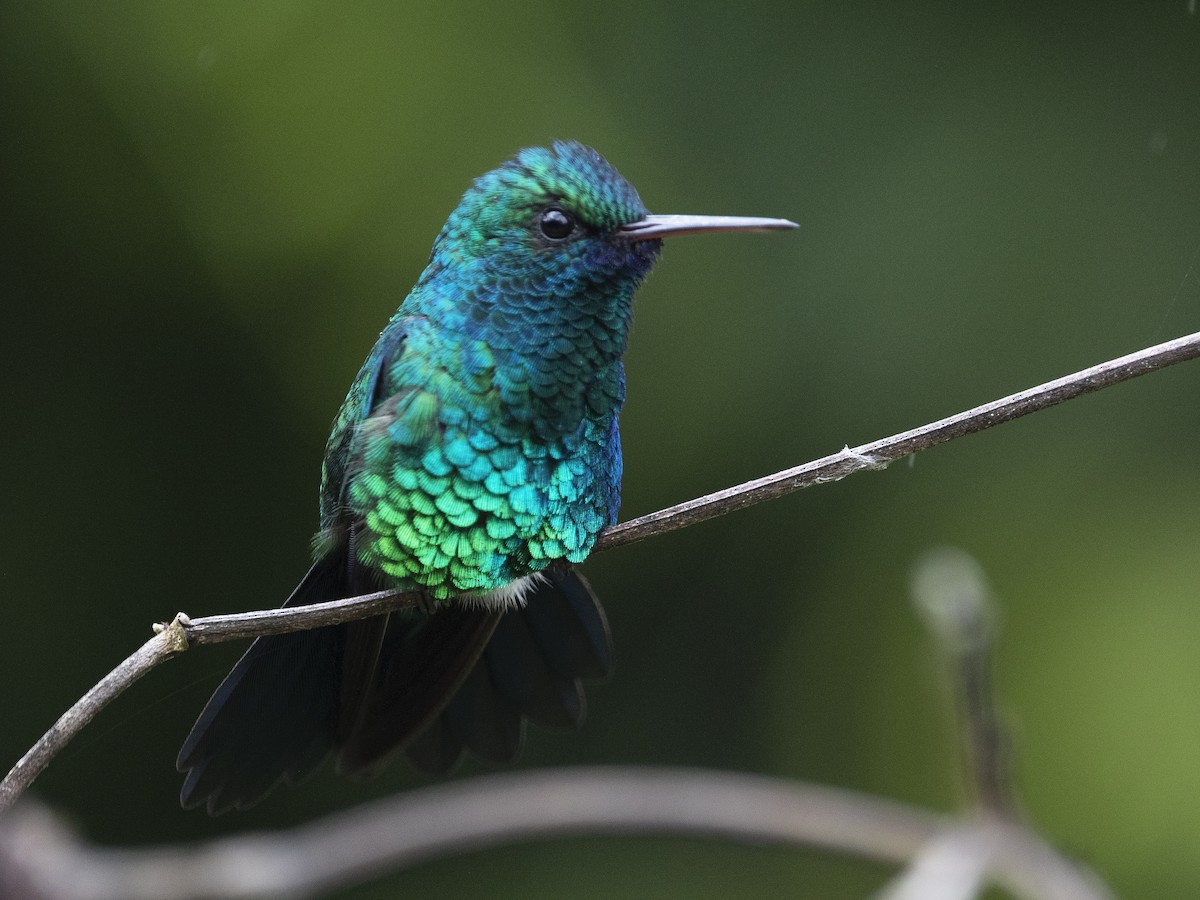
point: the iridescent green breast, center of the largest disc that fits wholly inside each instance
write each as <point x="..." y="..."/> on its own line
<point x="451" y="486"/>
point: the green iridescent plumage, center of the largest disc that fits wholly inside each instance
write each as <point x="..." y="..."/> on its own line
<point x="474" y="459"/>
<point x="496" y="449"/>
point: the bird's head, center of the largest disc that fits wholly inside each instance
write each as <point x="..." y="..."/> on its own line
<point x="551" y="216"/>
<point x="560" y="224"/>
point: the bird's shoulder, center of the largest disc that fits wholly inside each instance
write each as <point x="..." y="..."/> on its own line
<point x="370" y="385"/>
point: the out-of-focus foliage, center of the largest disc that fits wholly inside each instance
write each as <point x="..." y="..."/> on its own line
<point x="209" y="211"/>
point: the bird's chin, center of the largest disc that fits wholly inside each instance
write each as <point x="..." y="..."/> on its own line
<point x="639" y="256"/>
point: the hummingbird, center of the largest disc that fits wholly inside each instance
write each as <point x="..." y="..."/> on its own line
<point x="475" y="461"/>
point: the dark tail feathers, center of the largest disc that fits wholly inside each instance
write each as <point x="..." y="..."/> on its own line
<point x="462" y="679"/>
<point x="531" y="668"/>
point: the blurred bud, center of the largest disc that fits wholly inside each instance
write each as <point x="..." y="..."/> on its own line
<point x="951" y="594"/>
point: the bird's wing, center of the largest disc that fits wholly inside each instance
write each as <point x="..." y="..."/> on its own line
<point x="292" y="697"/>
<point x="371" y="387"/>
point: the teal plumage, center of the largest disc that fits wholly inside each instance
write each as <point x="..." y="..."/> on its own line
<point x="522" y="394"/>
<point x="475" y="458"/>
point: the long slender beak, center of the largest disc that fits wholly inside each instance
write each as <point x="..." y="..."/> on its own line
<point x="649" y="227"/>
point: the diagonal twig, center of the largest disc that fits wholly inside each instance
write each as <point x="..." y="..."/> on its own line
<point x="878" y="454"/>
<point x="214" y="629"/>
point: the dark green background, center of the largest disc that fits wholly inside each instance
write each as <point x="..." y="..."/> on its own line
<point x="209" y="210"/>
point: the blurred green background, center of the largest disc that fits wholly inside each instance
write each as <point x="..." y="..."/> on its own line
<point x="211" y="209"/>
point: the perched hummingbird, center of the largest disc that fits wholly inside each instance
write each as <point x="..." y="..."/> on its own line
<point x="474" y="460"/>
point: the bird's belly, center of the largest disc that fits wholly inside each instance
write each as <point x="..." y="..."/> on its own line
<point x="471" y="514"/>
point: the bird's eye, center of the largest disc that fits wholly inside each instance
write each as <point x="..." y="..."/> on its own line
<point x="556" y="224"/>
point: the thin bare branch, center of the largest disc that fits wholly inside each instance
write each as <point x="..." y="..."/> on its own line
<point x="875" y="455"/>
<point x="213" y="629"/>
<point x="878" y="454"/>
<point x="389" y="835"/>
<point x="165" y="644"/>
<point x="241" y="626"/>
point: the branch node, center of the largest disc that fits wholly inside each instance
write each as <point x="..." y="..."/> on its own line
<point x="176" y="632"/>
<point x="865" y="460"/>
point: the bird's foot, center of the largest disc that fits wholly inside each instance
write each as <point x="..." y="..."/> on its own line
<point x="426" y="603"/>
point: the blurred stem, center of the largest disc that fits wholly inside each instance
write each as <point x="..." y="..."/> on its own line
<point x="986" y="740"/>
<point x="952" y="866"/>
<point x="950" y="591"/>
